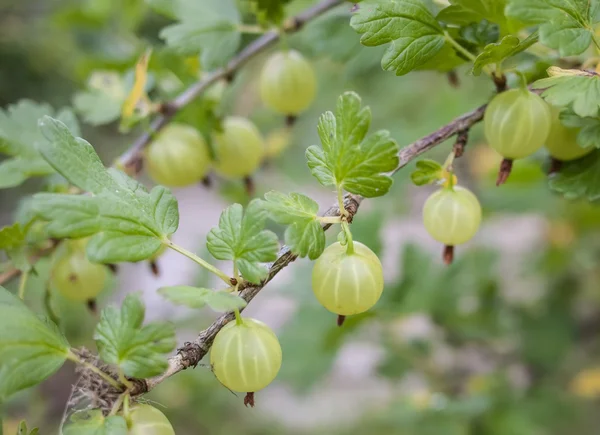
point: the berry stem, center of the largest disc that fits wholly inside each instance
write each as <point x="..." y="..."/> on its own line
<point x="340" y="198"/>
<point x="198" y="260"/>
<point x="71" y="356"/>
<point x="117" y="405"/>
<point x="23" y="284"/>
<point x="238" y="317"/>
<point x="329" y="219"/>
<point x="349" y="242"/>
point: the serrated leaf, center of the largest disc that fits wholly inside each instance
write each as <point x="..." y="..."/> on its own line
<point x="92" y="422"/>
<point x="497" y="52"/>
<point x="19" y="138"/>
<point x="209" y="28"/>
<point x="348" y="158"/>
<point x="468" y="11"/>
<point x="565" y="25"/>
<point x="427" y="172"/>
<point x="304" y="234"/>
<point x="241" y="237"/>
<point x="13" y="242"/>
<point x="480" y="33"/>
<point x="128" y="222"/>
<point x="31" y="349"/>
<point x="414" y="34"/>
<point x="195" y="297"/>
<point x="122" y="340"/>
<point x="579" y="178"/>
<point x="575" y="88"/>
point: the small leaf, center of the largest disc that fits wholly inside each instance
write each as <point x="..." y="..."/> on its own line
<point x="348" y="159"/>
<point x="138" y="350"/>
<point x="414" y="34"/>
<point x="269" y="11"/>
<point x="589" y="133"/>
<point x="31" y="349"/>
<point x="427" y="172"/>
<point x="496" y="53"/>
<point x="92" y="422"/>
<point x="195" y="297"/>
<point x="101" y="102"/>
<point x="241" y="237"/>
<point x="13" y="242"/>
<point x="304" y="234"/>
<point x="138" y="90"/>
<point x="575" y="88"/>
<point x="579" y="178"/>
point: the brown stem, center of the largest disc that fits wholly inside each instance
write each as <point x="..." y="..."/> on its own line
<point x="340" y="319"/>
<point x="249" y="400"/>
<point x="461" y="142"/>
<point x="504" y="172"/>
<point x="448" y="254"/>
<point x="500" y="82"/>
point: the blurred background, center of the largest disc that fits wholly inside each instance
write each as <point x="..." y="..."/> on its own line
<point x="504" y="341"/>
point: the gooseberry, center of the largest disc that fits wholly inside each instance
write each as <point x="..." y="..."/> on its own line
<point x="562" y="140"/>
<point x="147" y="420"/>
<point x="239" y="147"/>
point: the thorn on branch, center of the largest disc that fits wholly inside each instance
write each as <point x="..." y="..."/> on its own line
<point x="555" y="166"/>
<point x="453" y="79"/>
<point x="448" y="255"/>
<point x="340" y="319"/>
<point x="461" y="141"/>
<point x="500" y="82"/>
<point x="504" y="172"/>
<point x="249" y="400"/>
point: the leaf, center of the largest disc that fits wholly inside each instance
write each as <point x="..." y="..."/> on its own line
<point x="195" y="297"/>
<point x="138" y="350"/>
<point x="480" y="33"/>
<point x="101" y="102"/>
<point x="348" y="159"/>
<point x="209" y="28"/>
<point x="576" y="88"/>
<point x="241" y="237"/>
<point x="269" y="11"/>
<point x="304" y="234"/>
<point x="566" y="25"/>
<point x="24" y="430"/>
<point x="579" y="178"/>
<point x="137" y="98"/>
<point x="31" y="349"/>
<point x="427" y="172"/>
<point x="589" y="133"/>
<point x="92" y="422"/>
<point x="13" y="242"/>
<point x="19" y="138"/>
<point x="469" y="11"/>
<point x="497" y="52"/>
<point x="127" y="222"/>
<point x="414" y="34"/>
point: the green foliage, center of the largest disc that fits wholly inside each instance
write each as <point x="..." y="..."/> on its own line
<point x="269" y="11"/>
<point x="564" y="24"/>
<point x="577" y="89"/>
<point x="463" y="12"/>
<point x="209" y="28"/>
<point x="496" y="53"/>
<point x="195" y="297"/>
<point x="19" y="138"/>
<point x="122" y="340"/>
<point x="24" y="430"/>
<point x="94" y="423"/>
<point x="101" y="102"/>
<point x="589" y="133"/>
<point x="128" y="222"/>
<point x="348" y="159"/>
<point x="241" y="237"/>
<point x="31" y="348"/>
<point x="428" y="171"/>
<point x="579" y="178"/>
<point x="304" y="234"/>
<point x="13" y="242"/>
<point x="415" y="35"/>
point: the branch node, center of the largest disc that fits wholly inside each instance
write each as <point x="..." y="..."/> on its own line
<point x="500" y="82"/>
<point x="190" y="354"/>
<point x="167" y="109"/>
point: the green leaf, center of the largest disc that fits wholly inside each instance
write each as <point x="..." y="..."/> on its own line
<point x="195" y="297"/>
<point x="589" y="133"/>
<point x="19" y="138"/>
<point x="269" y="11"/>
<point x="24" y="430"/>
<point x="101" y="102"/>
<point x="579" y="178"/>
<point x="304" y="234"/>
<point x="127" y="222"/>
<point x="241" y="237"/>
<point x="481" y="33"/>
<point x="497" y="52"/>
<point x="31" y="348"/>
<point x="94" y="423"/>
<point x="13" y="242"/>
<point x="138" y="350"/>
<point x="566" y="25"/>
<point x="414" y="34"/>
<point x="348" y="159"/>
<point x="209" y="28"/>
<point x="575" y="88"/>
<point x="468" y="11"/>
<point x="427" y="172"/>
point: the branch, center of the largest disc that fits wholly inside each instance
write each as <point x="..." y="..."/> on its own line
<point x="193" y="352"/>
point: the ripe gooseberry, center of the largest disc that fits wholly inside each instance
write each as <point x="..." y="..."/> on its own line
<point x="75" y="277"/>
<point x="178" y="157"/>
<point x="562" y="141"/>
<point x="346" y="282"/>
<point x="452" y="216"/>
<point x="239" y="147"/>
<point x="516" y="123"/>
<point x="246" y="355"/>
<point x="147" y="420"/>
<point x="287" y="82"/>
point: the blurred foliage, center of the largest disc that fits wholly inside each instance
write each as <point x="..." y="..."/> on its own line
<point x="460" y="353"/>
